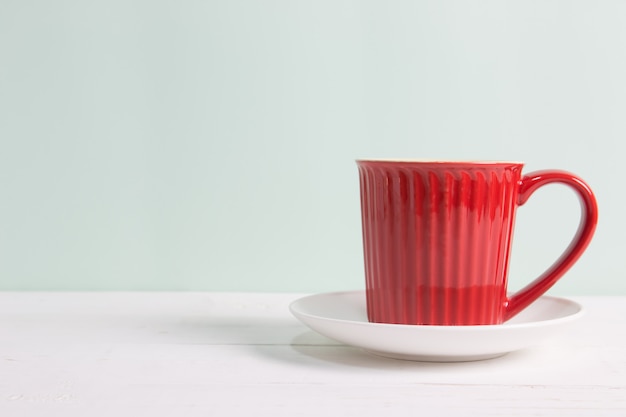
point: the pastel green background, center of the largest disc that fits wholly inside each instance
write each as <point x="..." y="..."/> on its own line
<point x="210" y="145"/>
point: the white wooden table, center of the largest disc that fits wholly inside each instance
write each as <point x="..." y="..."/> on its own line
<point x="215" y="354"/>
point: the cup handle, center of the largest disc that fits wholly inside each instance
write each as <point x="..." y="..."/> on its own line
<point x="588" y="220"/>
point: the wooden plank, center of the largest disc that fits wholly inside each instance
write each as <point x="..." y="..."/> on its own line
<point x="76" y="354"/>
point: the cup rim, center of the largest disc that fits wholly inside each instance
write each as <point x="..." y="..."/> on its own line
<point x="437" y="161"/>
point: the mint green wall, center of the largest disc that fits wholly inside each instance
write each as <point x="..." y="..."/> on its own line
<point x="209" y="145"/>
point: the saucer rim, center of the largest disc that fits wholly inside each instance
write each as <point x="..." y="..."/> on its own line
<point x="580" y="311"/>
<point x="433" y="343"/>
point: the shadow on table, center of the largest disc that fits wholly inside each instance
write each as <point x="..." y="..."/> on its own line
<point x="310" y="349"/>
<point x="279" y="339"/>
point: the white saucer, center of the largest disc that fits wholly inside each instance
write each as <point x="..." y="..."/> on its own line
<point x="342" y="316"/>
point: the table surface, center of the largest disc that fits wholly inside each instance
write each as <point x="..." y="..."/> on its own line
<point x="224" y="354"/>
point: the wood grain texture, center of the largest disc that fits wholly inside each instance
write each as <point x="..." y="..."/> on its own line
<point x="205" y="354"/>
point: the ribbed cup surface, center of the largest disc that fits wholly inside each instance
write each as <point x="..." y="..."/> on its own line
<point x="436" y="240"/>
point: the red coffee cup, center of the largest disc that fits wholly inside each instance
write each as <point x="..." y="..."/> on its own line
<point x="437" y="239"/>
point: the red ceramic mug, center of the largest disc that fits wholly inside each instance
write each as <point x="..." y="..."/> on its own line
<point x="437" y="239"/>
